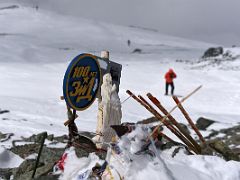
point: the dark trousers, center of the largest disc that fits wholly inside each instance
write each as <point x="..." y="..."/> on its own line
<point x="172" y="88"/>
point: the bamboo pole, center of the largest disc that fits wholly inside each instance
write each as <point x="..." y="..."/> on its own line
<point x="164" y="121"/>
<point x="178" y="133"/>
<point x="186" y="115"/>
<point x="172" y="119"/>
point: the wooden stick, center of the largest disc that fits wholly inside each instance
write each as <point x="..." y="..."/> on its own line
<point x="165" y="136"/>
<point x="67" y="122"/>
<point x="177" y="105"/>
<point x="71" y="117"/>
<point x="172" y="119"/>
<point x="125" y="99"/>
<point x="184" y="112"/>
<point x="178" y="133"/>
<point x="165" y="122"/>
<point x="44" y="136"/>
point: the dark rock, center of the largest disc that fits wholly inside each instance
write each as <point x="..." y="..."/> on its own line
<point x="4" y="111"/>
<point x="25" y="150"/>
<point x="2" y="136"/>
<point x="50" y="137"/>
<point x="137" y="50"/>
<point x="207" y="150"/>
<point x="48" y="177"/>
<point x="177" y="147"/>
<point x="5" y="137"/>
<point x="148" y="120"/>
<point x="87" y="134"/>
<point x="224" y="150"/>
<point x="184" y="127"/>
<point x="62" y="139"/>
<point x="212" y="134"/>
<point x="169" y="145"/>
<point x="10" y="7"/>
<point x="203" y="123"/>
<point x="236" y="151"/>
<point x="26" y="166"/>
<point x="180" y="148"/>
<point x="120" y="130"/>
<point x="41" y="171"/>
<point x="36" y="138"/>
<point x="6" y="173"/>
<point x="50" y="155"/>
<point x="213" y="52"/>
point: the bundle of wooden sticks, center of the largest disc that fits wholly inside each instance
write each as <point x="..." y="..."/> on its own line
<point x="170" y="122"/>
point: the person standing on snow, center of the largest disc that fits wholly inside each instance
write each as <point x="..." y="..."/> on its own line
<point x="169" y="76"/>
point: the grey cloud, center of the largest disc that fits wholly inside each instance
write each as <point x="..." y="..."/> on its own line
<point x="207" y="20"/>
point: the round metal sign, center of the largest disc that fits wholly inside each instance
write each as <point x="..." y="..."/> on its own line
<point x="81" y="82"/>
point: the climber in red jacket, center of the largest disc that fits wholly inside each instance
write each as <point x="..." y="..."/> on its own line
<point x="169" y="76"/>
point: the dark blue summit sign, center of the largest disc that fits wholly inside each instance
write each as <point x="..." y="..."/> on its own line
<point x="81" y="82"/>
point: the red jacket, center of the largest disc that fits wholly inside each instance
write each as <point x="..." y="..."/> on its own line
<point x="170" y="75"/>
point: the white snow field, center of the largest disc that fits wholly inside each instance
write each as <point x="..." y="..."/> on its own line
<point x="37" y="46"/>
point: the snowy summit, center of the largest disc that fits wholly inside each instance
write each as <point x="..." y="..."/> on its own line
<point x="37" y="46"/>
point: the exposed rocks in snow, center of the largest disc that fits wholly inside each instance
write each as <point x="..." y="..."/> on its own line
<point x="137" y="50"/>
<point x="41" y="171"/>
<point x="5" y="137"/>
<point x="4" y="111"/>
<point x="6" y="173"/>
<point x="217" y="146"/>
<point x="203" y="123"/>
<point x="219" y="57"/>
<point x="230" y="137"/>
<point x="9" y="7"/>
<point x="213" y="52"/>
<point x="183" y="126"/>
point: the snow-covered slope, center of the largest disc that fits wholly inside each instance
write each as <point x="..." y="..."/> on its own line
<point x="36" y="47"/>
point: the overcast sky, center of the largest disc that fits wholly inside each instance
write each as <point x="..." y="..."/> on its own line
<point x="214" y="21"/>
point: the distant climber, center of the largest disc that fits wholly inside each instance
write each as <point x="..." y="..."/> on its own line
<point x="128" y="43"/>
<point x="169" y="76"/>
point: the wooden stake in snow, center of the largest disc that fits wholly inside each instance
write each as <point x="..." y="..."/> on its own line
<point x="178" y="132"/>
<point x="189" y="119"/>
<point x="164" y="121"/>
<point x="173" y="121"/>
<point x="190" y="94"/>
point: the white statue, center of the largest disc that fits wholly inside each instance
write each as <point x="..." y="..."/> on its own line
<point x="109" y="111"/>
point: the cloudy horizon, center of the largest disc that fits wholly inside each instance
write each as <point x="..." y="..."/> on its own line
<point x="212" y="21"/>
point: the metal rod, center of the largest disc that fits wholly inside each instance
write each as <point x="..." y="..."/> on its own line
<point x="44" y="136"/>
